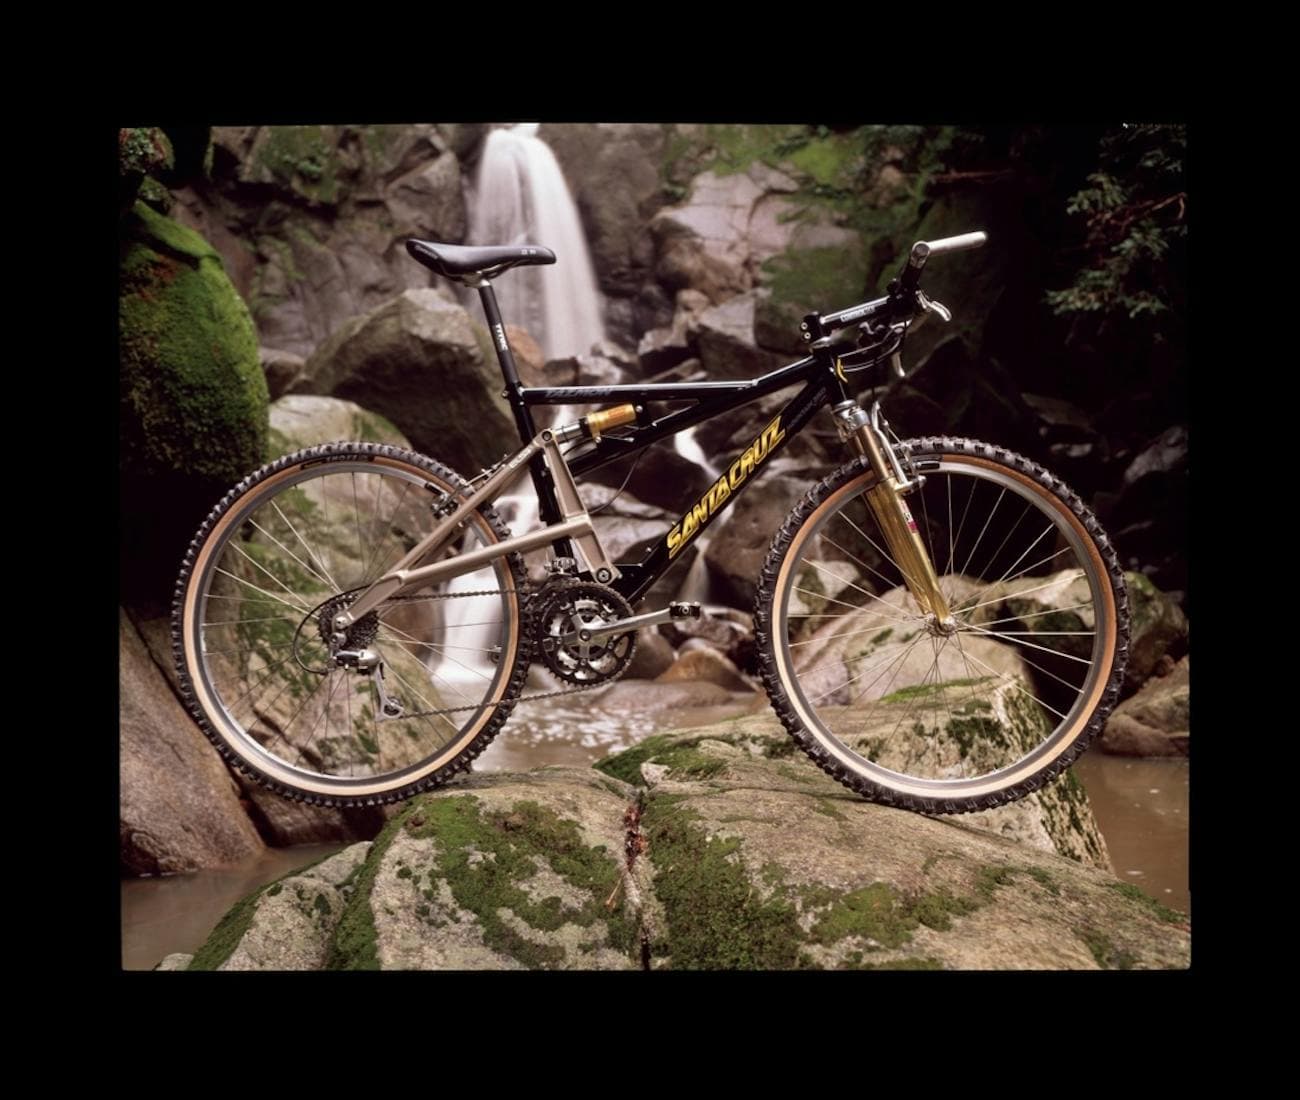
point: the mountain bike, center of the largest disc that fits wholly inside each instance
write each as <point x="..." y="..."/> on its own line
<point x="942" y="624"/>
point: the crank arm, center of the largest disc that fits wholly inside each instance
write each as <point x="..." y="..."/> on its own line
<point x="675" y="610"/>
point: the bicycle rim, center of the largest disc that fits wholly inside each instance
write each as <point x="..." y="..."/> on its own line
<point x="960" y="716"/>
<point x="285" y="555"/>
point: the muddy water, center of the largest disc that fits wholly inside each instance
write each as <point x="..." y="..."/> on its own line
<point x="1141" y="808"/>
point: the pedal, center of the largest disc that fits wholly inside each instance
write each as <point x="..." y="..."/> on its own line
<point x="678" y="609"/>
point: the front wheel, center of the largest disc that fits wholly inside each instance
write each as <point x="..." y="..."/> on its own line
<point x="261" y="670"/>
<point x="945" y="716"/>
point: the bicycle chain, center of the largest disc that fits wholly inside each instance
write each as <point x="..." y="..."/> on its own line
<point x="531" y="595"/>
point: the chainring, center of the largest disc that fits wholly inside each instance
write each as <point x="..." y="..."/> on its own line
<point x="564" y="612"/>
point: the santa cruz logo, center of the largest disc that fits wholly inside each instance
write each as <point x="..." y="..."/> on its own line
<point x="700" y="514"/>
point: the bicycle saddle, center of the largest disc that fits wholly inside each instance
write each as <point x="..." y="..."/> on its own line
<point x="455" y="261"/>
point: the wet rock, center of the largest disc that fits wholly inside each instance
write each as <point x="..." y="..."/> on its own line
<point x="302" y="420"/>
<point x="736" y="552"/>
<point x="529" y="359"/>
<point x="178" y="806"/>
<point x="280" y="368"/>
<point x="417" y="361"/>
<point x="707" y="665"/>
<point x="428" y="202"/>
<point x="1155" y="721"/>
<point x="661" y="477"/>
<point x="653" y="656"/>
<point x="1157" y="628"/>
<point x="1147" y="520"/>
<point x="501" y="873"/>
<point x="654" y="697"/>
<point x="725" y="338"/>
<point x="288" y="924"/>
<point x="743" y="855"/>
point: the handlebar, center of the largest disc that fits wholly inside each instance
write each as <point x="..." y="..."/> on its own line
<point x="899" y="302"/>
<point x="923" y="250"/>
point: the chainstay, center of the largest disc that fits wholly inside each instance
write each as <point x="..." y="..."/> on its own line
<point x="529" y="594"/>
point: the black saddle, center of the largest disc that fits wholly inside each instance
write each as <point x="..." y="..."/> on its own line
<point x="453" y="261"/>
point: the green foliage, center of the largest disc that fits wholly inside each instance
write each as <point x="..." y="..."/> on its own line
<point x="1134" y="209"/>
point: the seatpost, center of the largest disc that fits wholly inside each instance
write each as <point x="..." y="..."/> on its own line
<point x="498" y="332"/>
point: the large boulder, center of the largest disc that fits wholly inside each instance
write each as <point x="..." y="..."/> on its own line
<point x="193" y="400"/>
<point x="429" y="202"/>
<point x="300" y="420"/>
<point x="725" y="338"/>
<point x="417" y="361"/>
<point x="179" y="808"/>
<point x="736" y="551"/>
<point x="729" y="856"/>
<point x="1155" y="721"/>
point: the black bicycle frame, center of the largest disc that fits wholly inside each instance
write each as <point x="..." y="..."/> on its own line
<point x="820" y="381"/>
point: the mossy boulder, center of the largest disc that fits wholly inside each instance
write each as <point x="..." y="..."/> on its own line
<point x="737" y="857"/>
<point x="193" y="398"/>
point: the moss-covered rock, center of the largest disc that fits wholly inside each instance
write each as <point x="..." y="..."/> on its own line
<point x="738" y="857"/>
<point x="193" y="399"/>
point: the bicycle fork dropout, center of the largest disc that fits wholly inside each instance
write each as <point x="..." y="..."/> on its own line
<point x="863" y="431"/>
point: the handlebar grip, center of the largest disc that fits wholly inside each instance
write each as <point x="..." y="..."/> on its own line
<point x="923" y="250"/>
<point x="957" y="244"/>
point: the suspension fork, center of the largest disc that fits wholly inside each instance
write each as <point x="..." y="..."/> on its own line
<point x="863" y="432"/>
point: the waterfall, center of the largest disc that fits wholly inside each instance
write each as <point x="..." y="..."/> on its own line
<point x="521" y="198"/>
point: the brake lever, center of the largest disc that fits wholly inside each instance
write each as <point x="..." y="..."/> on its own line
<point x="931" y="306"/>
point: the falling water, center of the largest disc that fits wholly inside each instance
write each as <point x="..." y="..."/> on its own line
<point x="521" y="198"/>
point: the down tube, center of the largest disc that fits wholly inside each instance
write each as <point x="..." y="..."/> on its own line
<point x="638" y="577"/>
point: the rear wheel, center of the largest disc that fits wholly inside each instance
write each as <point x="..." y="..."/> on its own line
<point x="286" y="550"/>
<point x="957" y="716"/>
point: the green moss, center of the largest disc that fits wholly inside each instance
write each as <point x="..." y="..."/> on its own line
<point x="921" y="691"/>
<point x="680" y="756"/>
<point x="972" y="733"/>
<point x="1107" y="955"/>
<point x="827" y="807"/>
<point x="155" y="195"/>
<point x="193" y="395"/>
<point x="829" y="278"/>
<point x="221" y="944"/>
<point x="715" y="920"/>
<point x="626" y="765"/>
<point x="353" y="945"/>
<point x="301" y="158"/>
<point x="144" y="149"/>
<point x="882" y="636"/>
<point x="991" y="876"/>
<point x="937" y="910"/>
<point x="1128" y="890"/>
<point x="517" y="843"/>
<point x="875" y="912"/>
<point x="1044" y="879"/>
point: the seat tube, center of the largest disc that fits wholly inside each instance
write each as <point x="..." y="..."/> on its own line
<point x="548" y="506"/>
